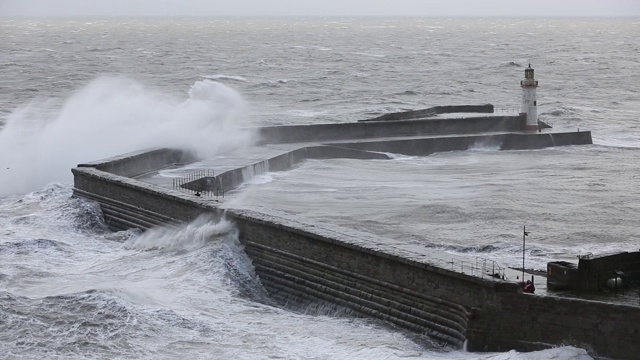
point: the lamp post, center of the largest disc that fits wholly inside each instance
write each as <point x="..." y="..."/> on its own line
<point x="525" y="233"/>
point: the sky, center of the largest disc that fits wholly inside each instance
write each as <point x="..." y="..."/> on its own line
<point x="564" y="8"/>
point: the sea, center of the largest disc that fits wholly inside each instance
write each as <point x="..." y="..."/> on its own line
<point x="75" y="90"/>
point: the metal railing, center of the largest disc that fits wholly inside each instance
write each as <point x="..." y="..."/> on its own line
<point x="200" y="183"/>
<point x="506" y="110"/>
<point x="481" y="268"/>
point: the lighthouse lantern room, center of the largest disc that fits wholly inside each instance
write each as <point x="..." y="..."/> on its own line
<point x="529" y="102"/>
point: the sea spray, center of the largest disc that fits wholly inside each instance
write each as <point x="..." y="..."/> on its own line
<point x="42" y="140"/>
<point x="221" y="236"/>
<point x="205" y="229"/>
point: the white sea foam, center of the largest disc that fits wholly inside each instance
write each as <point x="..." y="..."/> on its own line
<point x="484" y="146"/>
<point x="111" y="115"/>
<point x="196" y="234"/>
<point x="306" y="113"/>
<point x="260" y="179"/>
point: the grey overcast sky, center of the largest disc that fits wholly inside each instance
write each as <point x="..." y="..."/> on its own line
<point x="319" y="8"/>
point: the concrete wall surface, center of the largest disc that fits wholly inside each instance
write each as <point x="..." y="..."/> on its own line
<point x="305" y="265"/>
<point x="531" y="322"/>
<point x="432" y="111"/>
<point x="364" y="130"/>
<point x="509" y="141"/>
<point x="129" y="203"/>
<point x="302" y="264"/>
<point x="140" y="162"/>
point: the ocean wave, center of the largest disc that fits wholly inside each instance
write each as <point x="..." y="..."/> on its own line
<point x="91" y="321"/>
<point x="200" y="232"/>
<point x="369" y="54"/>
<point x="511" y="64"/>
<point x="485" y="146"/>
<point x="408" y="92"/>
<point x="10" y="64"/>
<point x="32" y="246"/>
<point x="41" y="141"/>
<point x="52" y="206"/>
<point x="306" y="113"/>
<point x="225" y="77"/>
<point x="270" y="84"/>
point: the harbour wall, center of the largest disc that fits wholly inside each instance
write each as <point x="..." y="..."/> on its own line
<point x="433" y="111"/>
<point x="510" y="141"/>
<point x="530" y="322"/>
<point x="129" y="203"/>
<point x="231" y="179"/>
<point x="140" y="162"/>
<point x="381" y="129"/>
<point x="303" y="265"/>
<point x="376" y="150"/>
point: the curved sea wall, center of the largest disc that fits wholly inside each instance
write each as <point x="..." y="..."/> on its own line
<point x="129" y="203"/>
<point x="140" y="162"/>
<point x="305" y="266"/>
<point x="302" y="265"/>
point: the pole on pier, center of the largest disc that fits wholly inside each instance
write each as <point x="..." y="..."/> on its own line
<point x="525" y="233"/>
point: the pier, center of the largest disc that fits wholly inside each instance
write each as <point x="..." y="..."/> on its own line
<point x="452" y="299"/>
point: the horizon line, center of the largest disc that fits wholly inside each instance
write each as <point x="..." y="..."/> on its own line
<point x="316" y="16"/>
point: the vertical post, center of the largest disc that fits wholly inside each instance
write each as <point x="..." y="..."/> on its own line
<point x="524" y="236"/>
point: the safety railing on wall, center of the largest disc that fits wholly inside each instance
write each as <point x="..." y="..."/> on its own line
<point x="200" y="183"/>
<point x="506" y="110"/>
<point x="480" y="267"/>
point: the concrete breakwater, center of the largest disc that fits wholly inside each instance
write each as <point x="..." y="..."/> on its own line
<point x="304" y="265"/>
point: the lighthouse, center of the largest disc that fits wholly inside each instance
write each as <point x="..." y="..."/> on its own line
<point x="529" y="103"/>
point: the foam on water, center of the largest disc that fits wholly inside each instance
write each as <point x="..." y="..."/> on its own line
<point x="196" y="293"/>
<point x="194" y="235"/>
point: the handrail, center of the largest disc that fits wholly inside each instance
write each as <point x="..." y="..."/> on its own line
<point x="481" y="268"/>
<point x="193" y="182"/>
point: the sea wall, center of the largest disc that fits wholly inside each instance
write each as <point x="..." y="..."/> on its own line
<point x="300" y="264"/>
<point x="372" y="149"/>
<point x="140" y="162"/>
<point x="510" y="141"/>
<point x="303" y="265"/>
<point x="231" y="179"/>
<point x="432" y="111"/>
<point x="530" y="322"/>
<point x="380" y="129"/>
<point x="128" y="203"/>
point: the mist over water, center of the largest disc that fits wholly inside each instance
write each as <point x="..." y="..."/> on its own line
<point x="74" y="91"/>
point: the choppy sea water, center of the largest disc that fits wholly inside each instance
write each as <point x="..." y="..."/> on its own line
<point x="78" y="90"/>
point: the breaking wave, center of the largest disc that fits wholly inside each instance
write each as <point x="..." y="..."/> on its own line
<point x="42" y="140"/>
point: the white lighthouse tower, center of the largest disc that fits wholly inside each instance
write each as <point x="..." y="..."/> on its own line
<point x="529" y="103"/>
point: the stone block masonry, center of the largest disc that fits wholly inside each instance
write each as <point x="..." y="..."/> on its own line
<point x="302" y="265"/>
